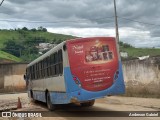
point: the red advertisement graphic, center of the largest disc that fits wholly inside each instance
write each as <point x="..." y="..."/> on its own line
<point x="98" y="53"/>
<point x="93" y="61"/>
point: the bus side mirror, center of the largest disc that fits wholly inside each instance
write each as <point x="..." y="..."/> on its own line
<point x="24" y="77"/>
<point x="64" y="47"/>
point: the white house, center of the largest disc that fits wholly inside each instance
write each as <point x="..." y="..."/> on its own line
<point x="124" y="54"/>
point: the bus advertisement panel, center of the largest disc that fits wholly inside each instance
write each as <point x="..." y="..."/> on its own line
<point x="93" y="62"/>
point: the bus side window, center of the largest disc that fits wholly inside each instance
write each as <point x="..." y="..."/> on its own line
<point x="37" y="71"/>
<point x="60" y="61"/>
<point x="49" y="65"/>
<point x="34" y="71"/>
<point x="43" y="69"/>
<point x="44" y="66"/>
<point x="40" y="69"/>
<point x="56" y="64"/>
<point x="52" y="70"/>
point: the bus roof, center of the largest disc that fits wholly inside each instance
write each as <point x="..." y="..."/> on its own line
<point x="47" y="54"/>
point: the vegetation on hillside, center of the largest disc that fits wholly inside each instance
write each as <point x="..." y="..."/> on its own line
<point x="137" y="52"/>
<point x="7" y="56"/>
<point x="22" y="42"/>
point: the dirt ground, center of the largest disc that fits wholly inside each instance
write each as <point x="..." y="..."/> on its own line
<point x="9" y="101"/>
<point x="112" y="103"/>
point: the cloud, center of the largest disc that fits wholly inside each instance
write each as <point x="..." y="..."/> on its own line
<point x="88" y="17"/>
<point x="84" y="32"/>
<point x="127" y="35"/>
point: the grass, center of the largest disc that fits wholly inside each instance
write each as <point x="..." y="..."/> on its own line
<point x="138" y="52"/>
<point x="6" y="35"/>
<point x="4" y="55"/>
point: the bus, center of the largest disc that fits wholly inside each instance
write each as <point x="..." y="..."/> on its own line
<point x="76" y="71"/>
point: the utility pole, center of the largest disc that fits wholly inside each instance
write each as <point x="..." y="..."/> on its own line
<point x="116" y="29"/>
<point x="116" y="21"/>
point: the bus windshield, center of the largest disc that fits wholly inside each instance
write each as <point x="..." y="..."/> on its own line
<point x="93" y="61"/>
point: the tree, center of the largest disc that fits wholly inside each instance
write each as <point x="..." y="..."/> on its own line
<point x="25" y="29"/>
<point x="33" y="30"/>
<point x="33" y="50"/>
<point x="125" y="45"/>
<point x="42" y="29"/>
<point x="13" y="48"/>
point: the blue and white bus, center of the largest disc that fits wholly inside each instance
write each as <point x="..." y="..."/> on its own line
<point x="76" y="71"/>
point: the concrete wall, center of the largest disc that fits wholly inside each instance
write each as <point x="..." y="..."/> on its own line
<point x="11" y="77"/>
<point x="142" y="77"/>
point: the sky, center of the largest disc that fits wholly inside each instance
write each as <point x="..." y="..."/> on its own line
<point x="138" y="20"/>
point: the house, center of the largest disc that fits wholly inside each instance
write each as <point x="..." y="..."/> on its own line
<point x="124" y="54"/>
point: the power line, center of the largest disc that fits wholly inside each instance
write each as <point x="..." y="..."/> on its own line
<point x="46" y="22"/>
<point x="138" y="21"/>
<point x="75" y="21"/>
<point x="1" y="2"/>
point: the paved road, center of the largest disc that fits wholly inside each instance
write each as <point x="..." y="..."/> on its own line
<point x="107" y="104"/>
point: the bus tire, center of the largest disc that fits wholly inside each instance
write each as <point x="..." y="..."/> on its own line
<point x="88" y="103"/>
<point x="50" y="106"/>
<point x="32" y="100"/>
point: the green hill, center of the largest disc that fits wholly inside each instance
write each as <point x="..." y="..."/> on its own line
<point x="4" y="55"/>
<point x="22" y="43"/>
<point x="138" y="52"/>
<point x="30" y="35"/>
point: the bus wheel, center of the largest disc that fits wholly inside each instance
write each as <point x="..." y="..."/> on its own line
<point x="32" y="100"/>
<point x="88" y="103"/>
<point x="50" y="106"/>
